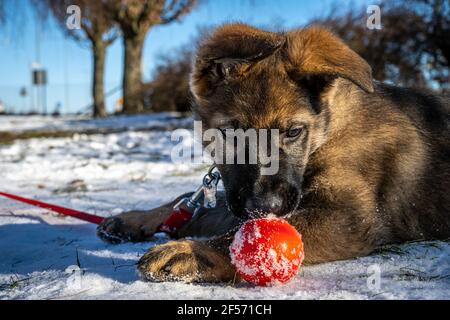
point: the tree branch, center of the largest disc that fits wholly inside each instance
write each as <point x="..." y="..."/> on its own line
<point x="171" y="14"/>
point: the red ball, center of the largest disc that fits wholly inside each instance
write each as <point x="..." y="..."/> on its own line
<point x="267" y="251"/>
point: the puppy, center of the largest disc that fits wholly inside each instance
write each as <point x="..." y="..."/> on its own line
<point x="361" y="164"/>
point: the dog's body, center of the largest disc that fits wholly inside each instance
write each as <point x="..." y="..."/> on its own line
<point x="370" y="164"/>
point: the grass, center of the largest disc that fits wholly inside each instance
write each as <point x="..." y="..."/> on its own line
<point x="10" y="137"/>
<point x="13" y="283"/>
<point x="407" y="274"/>
<point x="402" y="249"/>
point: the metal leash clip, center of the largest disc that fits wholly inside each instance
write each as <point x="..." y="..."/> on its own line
<point x="188" y="207"/>
<point x="208" y="190"/>
<point x="210" y="182"/>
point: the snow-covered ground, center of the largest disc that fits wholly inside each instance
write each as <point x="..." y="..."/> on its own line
<point x="69" y="123"/>
<point x="109" y="174"/>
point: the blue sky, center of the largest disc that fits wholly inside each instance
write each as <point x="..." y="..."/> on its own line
<point x="69" y="64"/>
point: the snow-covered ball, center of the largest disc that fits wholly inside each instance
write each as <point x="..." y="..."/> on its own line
<point x="267" y="251"/>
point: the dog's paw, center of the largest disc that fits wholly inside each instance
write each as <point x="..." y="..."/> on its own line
<point x="188" y="261"/>
<point x="131" y="226"/>
<point x="113" y="230"/>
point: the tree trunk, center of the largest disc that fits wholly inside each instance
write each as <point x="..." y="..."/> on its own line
<point x="99" y="51"/>
<point x="132" y="73"/>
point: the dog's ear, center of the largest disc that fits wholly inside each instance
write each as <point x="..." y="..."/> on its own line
<point x="316" y="53"/>
<point x="228" y="53"/>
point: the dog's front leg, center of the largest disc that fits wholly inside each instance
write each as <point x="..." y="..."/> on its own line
<point x="135" y="226"/>
<point x="337" y="233"/>
<point x="189" y="261"/>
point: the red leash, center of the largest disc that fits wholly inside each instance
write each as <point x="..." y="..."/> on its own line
<point x="181" y="214"/>
<point x="65" y="211"/>
<point x="178" y="218"/>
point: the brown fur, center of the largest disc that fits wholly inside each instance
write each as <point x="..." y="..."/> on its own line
<point x="374" y="160"/>
<point x="189" y="261"/>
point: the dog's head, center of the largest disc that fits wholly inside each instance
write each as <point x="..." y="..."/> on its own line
<point x="246" y="78"/>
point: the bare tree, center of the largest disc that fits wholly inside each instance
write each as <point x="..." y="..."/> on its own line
<point x="9" y="16"/>
<point x="135" y="18"/>
<point x="413" y="46"/>
<point x="169" y="89"/>
<point x="436" y="17"/>
<point x="97" y="29"/>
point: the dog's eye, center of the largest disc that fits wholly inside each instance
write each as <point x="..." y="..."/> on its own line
<point x="294" y="132"/>
<point x="225" y="69"/>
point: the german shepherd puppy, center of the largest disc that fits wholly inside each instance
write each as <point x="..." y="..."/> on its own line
<point x="361" y="164"/>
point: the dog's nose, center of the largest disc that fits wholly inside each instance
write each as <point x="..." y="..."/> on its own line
<point x="264" y="205"/>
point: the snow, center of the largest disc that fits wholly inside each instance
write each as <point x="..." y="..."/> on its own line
<point x="80" y="122"/>
<point x="111" y="173"/>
